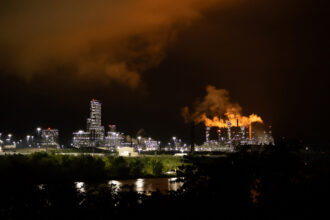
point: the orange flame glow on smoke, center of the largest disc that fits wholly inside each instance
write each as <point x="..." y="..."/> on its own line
<point x="232" y="117"/>
<point x="217" y="103"/>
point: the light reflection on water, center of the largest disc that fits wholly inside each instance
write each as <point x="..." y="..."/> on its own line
<point x="146" y="186"/>
<point x="80" y="186"/>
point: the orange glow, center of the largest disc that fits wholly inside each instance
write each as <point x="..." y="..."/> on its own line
<point x="231" y="115"/>
<point x="217" y="104"/>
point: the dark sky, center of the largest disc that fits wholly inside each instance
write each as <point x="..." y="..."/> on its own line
<point x="145" y="60"/>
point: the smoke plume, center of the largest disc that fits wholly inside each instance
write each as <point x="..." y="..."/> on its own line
<point x="216" y="109"/>
<point x="113" y="40"/>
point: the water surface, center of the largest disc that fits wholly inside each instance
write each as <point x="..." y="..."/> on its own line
<point x="142" y="185"/>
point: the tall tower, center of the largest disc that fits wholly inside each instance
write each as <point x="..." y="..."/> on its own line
<point x="229" y="131"/>
<point x="229" y="137"/>
<point x="94" y="126"/>
<point x="95" y="115"/>
<point x="207" y="136"/>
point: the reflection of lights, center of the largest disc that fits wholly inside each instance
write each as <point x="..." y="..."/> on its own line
<point x="80" y="186"/>
<point x="174" y="184"/>
<point x="41" y="186"/>
<point x="116" y="184"/>
<point x="139" y="184"/>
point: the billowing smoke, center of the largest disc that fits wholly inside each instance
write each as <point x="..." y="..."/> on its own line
<point x="114" y="40"/>
<point x="216" y="109"/>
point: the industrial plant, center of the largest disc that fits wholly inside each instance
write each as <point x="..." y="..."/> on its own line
<point x="94" y="136"/>
<point x="231" y="136"/>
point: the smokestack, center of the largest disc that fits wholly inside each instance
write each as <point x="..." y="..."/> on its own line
<point x="207" y="135"/>
<point x="219" y="136"/>
<point x="229" y="136"/>
<point x="192" y="138"/>
<point x="229" y="131"/>
<point x="237" y="123"/>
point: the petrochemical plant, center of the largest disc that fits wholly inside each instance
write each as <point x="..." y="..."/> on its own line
<point x="95" y="136"/>
<point x="233" y="137"/>
<point x="228" y="139"/>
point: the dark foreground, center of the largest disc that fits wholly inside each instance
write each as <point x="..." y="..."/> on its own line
<point x="279" y="183"/>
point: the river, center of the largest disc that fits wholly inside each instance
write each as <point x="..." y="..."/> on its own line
<point x="142" y="185"/>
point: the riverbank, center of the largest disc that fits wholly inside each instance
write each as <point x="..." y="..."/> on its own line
<point x="244" y="185"/>
<point x="42" y="166"/>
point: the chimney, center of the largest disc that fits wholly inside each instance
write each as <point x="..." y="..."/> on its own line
<point x="192" y="138"/>
<point x="207" y="136"/>
<point x="229" y="137"/>
<point x="229" y="131"/>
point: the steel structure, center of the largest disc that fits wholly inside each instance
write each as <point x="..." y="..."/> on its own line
<point x="94" y="136"/>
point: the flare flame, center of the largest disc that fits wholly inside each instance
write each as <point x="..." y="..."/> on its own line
<point x="223" y="123"/>
<point x="216" y="103"/>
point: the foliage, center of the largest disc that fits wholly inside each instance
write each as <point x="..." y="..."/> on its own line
<point x="277" y="183"/>
<point x="42" y="166"/>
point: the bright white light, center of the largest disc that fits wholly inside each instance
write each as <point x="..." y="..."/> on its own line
<point x="80" y="186"/>
<point x="139" y="184"/>
<point x="116" y="184"/>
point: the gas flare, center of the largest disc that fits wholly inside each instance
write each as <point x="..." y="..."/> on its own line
<point x="233" y="118"/>
<point x="216" y="103"/>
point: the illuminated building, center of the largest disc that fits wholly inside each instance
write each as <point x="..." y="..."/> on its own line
<point x="151" y="145"/>
<point x="49" y="137"/>
<point x="94" y="136"/>
<point x="81" y="139"/>
<point x="113" y="139"/>
<point x="234" y="137"/>
<point x="127" y="152"/>
<point x="94" y="126"/>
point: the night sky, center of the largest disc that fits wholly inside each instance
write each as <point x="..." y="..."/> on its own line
<point x="145" y="60"/>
